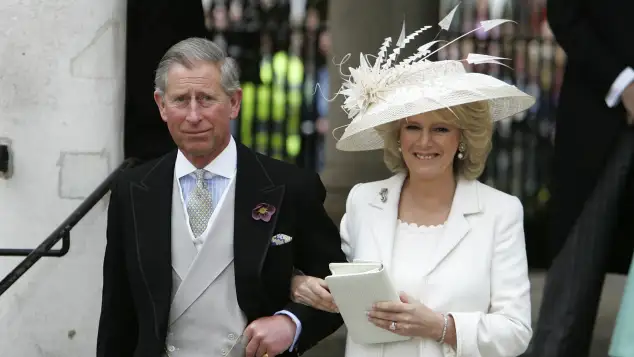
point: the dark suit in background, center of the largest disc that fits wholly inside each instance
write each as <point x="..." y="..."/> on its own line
<point x="598" y="40"/>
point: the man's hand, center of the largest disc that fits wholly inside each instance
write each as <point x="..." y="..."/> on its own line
<point x="270" y="335"/>
<point x="627" y="97"/>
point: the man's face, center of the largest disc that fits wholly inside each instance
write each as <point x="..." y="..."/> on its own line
<point x="197" y="110"/>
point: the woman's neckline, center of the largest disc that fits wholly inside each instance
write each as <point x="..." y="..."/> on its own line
<point x="421" y="227"/>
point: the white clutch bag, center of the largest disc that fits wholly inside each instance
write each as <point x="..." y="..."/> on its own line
<point x="355" y="287"/>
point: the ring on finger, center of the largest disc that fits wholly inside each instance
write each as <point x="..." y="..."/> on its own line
<point x="393" y="326"/>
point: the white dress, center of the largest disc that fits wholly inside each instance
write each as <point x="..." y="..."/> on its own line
<point x="413" y="247"/>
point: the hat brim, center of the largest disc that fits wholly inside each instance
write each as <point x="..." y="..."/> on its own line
<point x="504" y="101"/>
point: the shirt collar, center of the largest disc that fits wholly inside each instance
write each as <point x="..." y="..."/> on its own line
<point x="223" y="165"/>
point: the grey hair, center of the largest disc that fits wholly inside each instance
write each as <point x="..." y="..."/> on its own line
<point x="193" y="49"/>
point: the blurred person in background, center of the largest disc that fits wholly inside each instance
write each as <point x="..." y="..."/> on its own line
<point x="321" y="123"/>
<point x="593" y="182"/>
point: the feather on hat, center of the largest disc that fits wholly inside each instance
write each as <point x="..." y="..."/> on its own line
<point x="385" y="91"/>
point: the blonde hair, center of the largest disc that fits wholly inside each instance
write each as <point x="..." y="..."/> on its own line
<point x="476" y="130"/>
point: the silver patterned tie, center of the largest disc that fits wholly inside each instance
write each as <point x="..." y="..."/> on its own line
<point x="199" y="205"/>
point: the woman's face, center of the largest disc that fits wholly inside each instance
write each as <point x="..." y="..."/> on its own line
<point x="429" y="146"/>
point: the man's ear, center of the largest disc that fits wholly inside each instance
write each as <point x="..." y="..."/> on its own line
<point x="160" y="103"/>
<point x="236" y="101"/>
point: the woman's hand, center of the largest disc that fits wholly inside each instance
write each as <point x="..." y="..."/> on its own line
<point x="407" y="318"/>
<point x="312" y="291"/>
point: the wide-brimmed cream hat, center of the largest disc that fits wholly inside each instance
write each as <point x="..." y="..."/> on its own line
<point x="388" y="91"/>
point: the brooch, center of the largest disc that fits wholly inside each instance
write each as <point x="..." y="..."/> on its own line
<point x="383" y="194"/>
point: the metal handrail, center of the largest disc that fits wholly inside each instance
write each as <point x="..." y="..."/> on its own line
<point x="60" y="233"/>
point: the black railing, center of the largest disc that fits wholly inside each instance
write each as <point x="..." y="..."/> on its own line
<point x="11" y="252"/>
<point x="61" y="233"/>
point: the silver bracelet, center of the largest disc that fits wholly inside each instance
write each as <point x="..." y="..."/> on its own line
<point x="444" y="329"/>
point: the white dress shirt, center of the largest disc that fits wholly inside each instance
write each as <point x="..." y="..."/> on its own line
<point x="218" y="174"/>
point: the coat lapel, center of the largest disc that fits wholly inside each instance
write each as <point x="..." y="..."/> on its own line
<point x="465" y="202"/>
<point x="183" y="249"/>
<point x="385" y="204"/>
<point x="151" y="200"/>
<point x="252" y="237"/>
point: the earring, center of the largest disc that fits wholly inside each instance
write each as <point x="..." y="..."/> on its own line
<point x="461" y="149"/>
<point x="399" y="146"/>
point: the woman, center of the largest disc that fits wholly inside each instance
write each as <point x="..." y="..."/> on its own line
<point x="453" y="246"/>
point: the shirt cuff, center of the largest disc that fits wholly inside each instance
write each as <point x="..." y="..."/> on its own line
<point x="298" y="327"/>
<point x="622" y="81"/>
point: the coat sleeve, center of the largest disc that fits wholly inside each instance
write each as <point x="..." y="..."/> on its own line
<point x="117" y="331"/>
<point x="318" y="246"/>
<point x="576" y="34"/>
<point x="506" y="329"/>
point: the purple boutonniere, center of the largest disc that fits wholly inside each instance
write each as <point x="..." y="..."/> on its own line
<point x="263" y="212"/>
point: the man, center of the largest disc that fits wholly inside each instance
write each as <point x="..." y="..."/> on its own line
<point x="592" y="203"/>
<point x="203" y="242"/>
